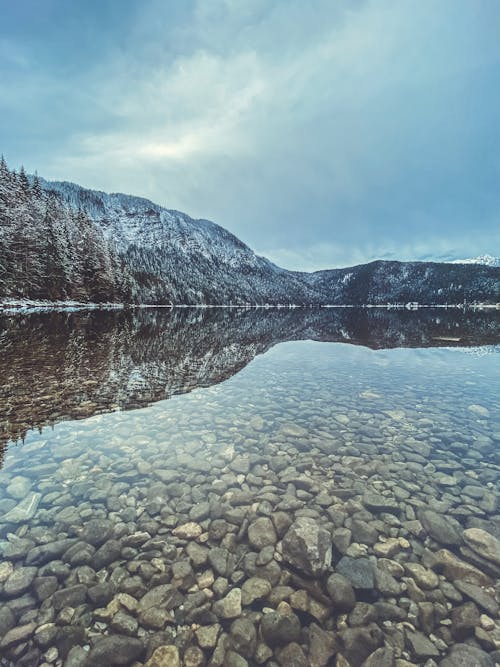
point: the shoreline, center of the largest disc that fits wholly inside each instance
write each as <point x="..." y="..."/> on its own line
<point x="32" y="305"/>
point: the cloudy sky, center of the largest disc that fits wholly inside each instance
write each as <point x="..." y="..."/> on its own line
<point x="322" y="133"/>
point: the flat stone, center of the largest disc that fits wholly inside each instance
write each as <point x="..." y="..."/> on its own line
<point x="479" y="596"/>
<point x="420" y="647"/>
<point x="376" y="502"/>
<point x="359" y="571"/>
<point x="440" y="528"/>
<point x="69" y="597"/>
<point x="463" y="655"/>
<point x="115" y="650"/>
<point x="425" y="578"/>
<point x="479" y="410"/>
<point x="483" y="543"/>
<point x="457" y="569"/>
<point x="24" y="511"/>
<point x="19" y="581"/>
<point x="17" y="635"/>
<point x="7" y="620"/>
<point x="46" y="552"/>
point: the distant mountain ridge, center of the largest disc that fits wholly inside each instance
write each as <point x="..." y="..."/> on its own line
<point x="59" y="240"/>
<point x="487" y="260"/>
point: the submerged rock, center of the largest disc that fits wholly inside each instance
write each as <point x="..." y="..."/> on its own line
<point x="308" y="547"/>
<point x="483" y="543"/>
<point x="441" y="529"/>
<point x="24" y="511"/>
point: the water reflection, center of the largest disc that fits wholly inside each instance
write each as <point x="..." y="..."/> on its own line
<point x="61" y="366"/>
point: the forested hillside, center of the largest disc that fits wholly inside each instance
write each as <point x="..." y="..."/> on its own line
<point x="50" y="250"/>
<point x="59" y="241"/>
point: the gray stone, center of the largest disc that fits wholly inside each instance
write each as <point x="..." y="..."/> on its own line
<point x="67" y="637"/>
<point x="359" y="571"/>
<point x="24" y="511"/>
<point x="46" y="552"/>
<point x="420" y="647"/>
<point x="483" y="543"/>
<point x="463" y="655"/>
<point x="124" y="624"/>
<point x="97" y="531"/>
<point x="356" y="644"/>
<point x="109" y="552"/>
<point x="479" y="596"/>
<point x="261" y="533"/>
<point x="7" y="620"/>
<point x="464" y="620"/>
<point x="77" y="657"/>
<point x="254" y="589"/>
<point x="69" y="597"/>
<point x="19" y="487"/>
<point x="229" y="606"/>
<point x="243" y="637"/>
<point x="44" y="587"/>
<point x="376" y="502"/>
<point x="341" y="592"/>
<point x="322" y="646"/>
<point x="308" y="547"/>
<point x="160" y="596"/>
<point x="101" y="593"/>
<point x="363" y="532"/>
<point x="17" y="635"/>
<point x="279" y="629"/>
<point x="382" y="657"/>
<point x="292" y="656"/>
<point x="19" y="581"/>
<point x="441" y="529"/>
<point x="115" y="650"/>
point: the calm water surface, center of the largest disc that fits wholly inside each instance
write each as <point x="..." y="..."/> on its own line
<point x="181" y="482"/>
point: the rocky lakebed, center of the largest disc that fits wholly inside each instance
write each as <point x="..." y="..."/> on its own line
<point x="341" y="511"/>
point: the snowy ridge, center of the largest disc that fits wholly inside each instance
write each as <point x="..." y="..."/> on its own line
<point x="485" y="260"/>
<point x="62" y="242"/>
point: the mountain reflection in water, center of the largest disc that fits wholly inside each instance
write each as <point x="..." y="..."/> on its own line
<point x="61" y="366"/>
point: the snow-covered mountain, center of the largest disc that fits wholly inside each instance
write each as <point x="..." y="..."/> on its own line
<point x="61" y="241"/>
<point x="486" y="260"/>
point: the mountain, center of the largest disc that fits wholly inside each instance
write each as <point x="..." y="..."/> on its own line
<point x="59" y="240"/>
<point x="487" y="260"/>
<point x="62" y="366"/>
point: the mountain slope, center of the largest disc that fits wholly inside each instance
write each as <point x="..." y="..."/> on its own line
<point x="61" y="241"/>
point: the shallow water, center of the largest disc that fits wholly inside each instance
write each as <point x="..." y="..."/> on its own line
<point x="386" y="447"/>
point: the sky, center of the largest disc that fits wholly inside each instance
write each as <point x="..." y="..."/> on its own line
<point x="323" y="134"/>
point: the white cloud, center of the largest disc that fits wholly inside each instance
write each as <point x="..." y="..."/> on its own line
<point x="329" y="133"/>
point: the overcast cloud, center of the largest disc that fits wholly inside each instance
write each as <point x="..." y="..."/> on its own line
<point x="322" y="134"/>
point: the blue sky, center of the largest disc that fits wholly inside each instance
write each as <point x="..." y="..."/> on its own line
<point x="323" y="134"/>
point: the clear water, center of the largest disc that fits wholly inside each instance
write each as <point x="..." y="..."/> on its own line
<point x="416" y="423"/>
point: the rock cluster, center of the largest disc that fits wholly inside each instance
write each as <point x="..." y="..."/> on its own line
<point x="292" y="550"/>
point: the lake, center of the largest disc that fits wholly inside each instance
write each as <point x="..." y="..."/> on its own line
<point x="249" y="487"/>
